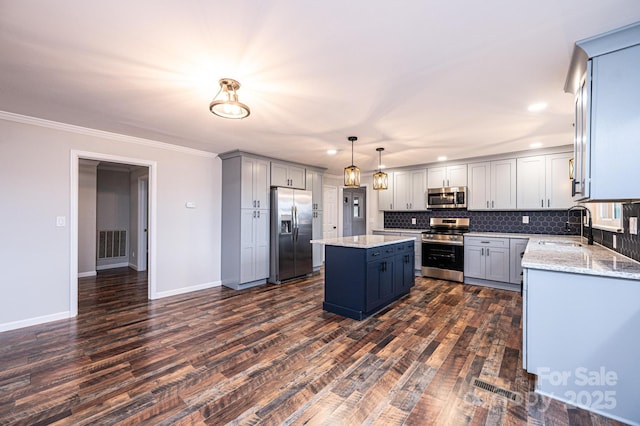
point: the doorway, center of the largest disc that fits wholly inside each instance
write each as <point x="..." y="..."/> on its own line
<point x="141" y="225"/>
<point x="354" y="211"/>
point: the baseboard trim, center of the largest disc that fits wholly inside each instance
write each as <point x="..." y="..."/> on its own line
<point x="112" y="266"/>
<point x="203" y="286"/>
<point x="13" y="325"/>
<point x="87" y="274"/>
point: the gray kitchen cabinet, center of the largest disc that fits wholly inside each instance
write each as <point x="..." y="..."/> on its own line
<point x="245" y="214"/>
<point x="543" y="182"/>
<point x="440" y="177"/>
<point x="605" y="80"/>
<point x="486" y="259"/>
<point x="409" y="189"/>
<point x="288" y="175"/>
<point x="517" y="247"/>
<point x="385" y="196"/>
<point x="492" y="185"/>
<point x="314" y="184"/>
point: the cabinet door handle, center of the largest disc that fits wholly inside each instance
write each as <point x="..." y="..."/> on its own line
<point x="258" y="214"/>
<point x="548" y="202"/>
<point x="254" y="214"/>
<point x="487" y="203"/>
<point x="447" y="182"/>
<point x="482" y="251"/>
<point x="487" y="251"/>
<point x="492" y="204"/>
<point x="254" y="203"/>
<point x="258" y="203"/>
<point x="377" y="253"/>
<point x="541" y="203"/>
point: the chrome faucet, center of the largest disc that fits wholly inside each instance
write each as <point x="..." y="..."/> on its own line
<point x="589" y="221"/>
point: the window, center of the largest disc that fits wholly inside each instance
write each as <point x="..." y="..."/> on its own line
<point x="606" y="215"/>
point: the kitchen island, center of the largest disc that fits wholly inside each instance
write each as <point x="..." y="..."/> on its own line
<point x="366" y="273"/>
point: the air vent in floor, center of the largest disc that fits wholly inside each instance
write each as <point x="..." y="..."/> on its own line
<point x="515" y="397"/>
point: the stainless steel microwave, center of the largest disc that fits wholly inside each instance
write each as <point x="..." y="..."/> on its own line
<point x="454" y="197"/>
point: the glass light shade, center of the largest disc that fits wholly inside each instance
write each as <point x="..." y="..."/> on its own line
<point x="351" y="176"/>
<point x="380" y="180"/>
<point x="226" y="103"/>
<point x="571" y="169"/>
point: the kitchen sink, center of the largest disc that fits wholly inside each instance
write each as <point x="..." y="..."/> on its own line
<point x="560" y="243"/>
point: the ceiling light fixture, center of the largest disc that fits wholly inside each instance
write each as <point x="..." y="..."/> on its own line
<point x="352" y="173"/>
<point x="225" y="104"/>
<point x="380" y="178"/>
<point x="538" y="106"/>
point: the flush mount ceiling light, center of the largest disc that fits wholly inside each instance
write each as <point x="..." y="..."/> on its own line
<point x="380" y="178"/>
<point x="352" y="173"/>
<point x="225" y="104"/>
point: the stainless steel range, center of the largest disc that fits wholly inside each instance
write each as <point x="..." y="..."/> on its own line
<point x="443" y="248"/>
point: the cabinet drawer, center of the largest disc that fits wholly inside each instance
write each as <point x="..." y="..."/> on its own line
<point x="380" y="252"/>
<point x="486" y="242"/>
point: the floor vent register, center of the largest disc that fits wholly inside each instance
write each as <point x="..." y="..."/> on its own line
<point x="515" y="397"/>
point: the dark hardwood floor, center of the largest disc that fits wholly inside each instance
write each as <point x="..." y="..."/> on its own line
<point x="270" y="355"/>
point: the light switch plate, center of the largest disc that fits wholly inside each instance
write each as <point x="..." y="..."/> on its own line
<point x="633" y="225"/>
<point x="413" y="221"/>
<point x="615" y="241"/>
<point x="190" y="205"/>
<point x="525" y="219"/>
<point x="61" y="221"/>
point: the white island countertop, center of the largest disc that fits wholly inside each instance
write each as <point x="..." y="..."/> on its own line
<point x="363" y="241"/>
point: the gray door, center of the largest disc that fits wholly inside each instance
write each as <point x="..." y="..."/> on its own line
<point x="354" y="211"/>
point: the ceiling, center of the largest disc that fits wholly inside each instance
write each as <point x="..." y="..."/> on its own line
<point x="421" y="78"/>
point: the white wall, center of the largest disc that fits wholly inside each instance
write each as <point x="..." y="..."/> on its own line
<point x="35" y="165"/>
<point x="87" y="179"/>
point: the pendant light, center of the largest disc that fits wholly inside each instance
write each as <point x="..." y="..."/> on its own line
<point x="352" y="173"/>
<point x="225" y="104"/>
<point x="380" y="178"/>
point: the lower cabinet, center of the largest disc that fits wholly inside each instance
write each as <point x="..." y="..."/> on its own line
<point x="417" y="247"/>
<point x="487" y="261"/>
<point x="359" y="282"/>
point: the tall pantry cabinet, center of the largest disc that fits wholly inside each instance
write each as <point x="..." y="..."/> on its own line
<point x="245" y="219"/>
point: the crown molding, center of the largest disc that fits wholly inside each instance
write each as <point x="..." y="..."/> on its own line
<point x="34" y="121"/>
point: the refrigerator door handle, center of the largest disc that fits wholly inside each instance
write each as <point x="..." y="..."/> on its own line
<point x="297" y="228"/>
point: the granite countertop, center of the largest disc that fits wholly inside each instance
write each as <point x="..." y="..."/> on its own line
<point x="573" y="255"/>
<point x="403" y="230"/>
<point x="363" y="241"/>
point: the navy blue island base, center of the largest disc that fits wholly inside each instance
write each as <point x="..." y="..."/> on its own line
<point x="361" y="281"/>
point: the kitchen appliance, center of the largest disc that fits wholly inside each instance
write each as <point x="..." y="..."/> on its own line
<point x="454" y="197"/>
<point x="291" y="251"/>
<point x="443" y="248"/>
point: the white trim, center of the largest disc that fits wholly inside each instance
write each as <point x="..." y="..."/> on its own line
<point x="609" y="228"/>
<point x="143" y="200"/>
<point x="189" y="289"/>
<point x="34" y="321"/>
<point x="87" y="274"/>
<point x="34" y="121"/>
<point x="73" y="217"/>
<point x="111" y="266"/>
<point x="133" y="266"/>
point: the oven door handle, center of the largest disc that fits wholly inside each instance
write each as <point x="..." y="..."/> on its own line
<point x="444" y="243"/>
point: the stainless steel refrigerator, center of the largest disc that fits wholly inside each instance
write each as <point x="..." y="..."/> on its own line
<point x="291" y="217"/>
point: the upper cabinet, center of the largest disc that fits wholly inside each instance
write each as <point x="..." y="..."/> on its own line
<point x="605" y="80"/>
<point x="287" y="175"/>
<point x="543" y="182"/>
<point x="254" y="188"/>
<point x="440" y="177"/>
<point x="409" y="189"/>
<point x="314" y="184"/>
<point x="385" y="196"/>
<point x="492" y="185"/>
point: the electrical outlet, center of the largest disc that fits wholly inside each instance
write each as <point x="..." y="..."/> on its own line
<point x="633" y="225"/>
<point x="615" y="241"/>
<point x="525" y="219"/>
<point x="413" y="221"/>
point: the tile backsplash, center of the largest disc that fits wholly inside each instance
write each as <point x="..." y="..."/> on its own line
<point x="540" y="222"/>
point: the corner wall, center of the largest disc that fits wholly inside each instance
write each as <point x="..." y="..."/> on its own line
<point x="35" y="169"/>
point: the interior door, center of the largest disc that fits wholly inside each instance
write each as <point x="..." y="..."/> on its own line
<point x="354" y="221"/>
<point x="330" y="212"/>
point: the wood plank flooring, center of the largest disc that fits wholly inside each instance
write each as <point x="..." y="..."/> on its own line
<point x="271" y="355"/>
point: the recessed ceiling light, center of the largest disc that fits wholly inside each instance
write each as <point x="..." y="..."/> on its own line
<point x="536" y="145"/>
<point x="332" y="152"/>
<point x="442" y="158"/>
<point x="538" y="106"/>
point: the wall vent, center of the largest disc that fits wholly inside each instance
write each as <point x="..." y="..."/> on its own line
<point x="505" y="393"/>
<point x="112" y="244"/>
